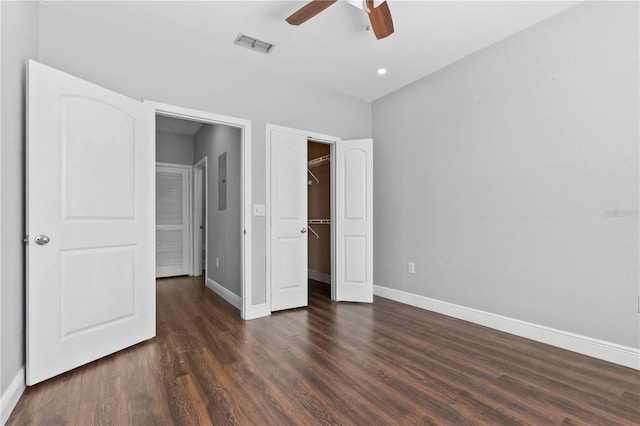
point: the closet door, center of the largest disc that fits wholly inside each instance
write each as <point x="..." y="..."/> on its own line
<point x="173" y="202"/>
<point x="354" y="220"/>
<point x="288" y="220"/>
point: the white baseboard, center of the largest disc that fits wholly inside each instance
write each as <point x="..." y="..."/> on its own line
<point x="11" y="395"/>
<point x="227" y="295"/>
<point x="608" y="351"/>
<point x="319" y="276"/>
<point x="257" y="311"/>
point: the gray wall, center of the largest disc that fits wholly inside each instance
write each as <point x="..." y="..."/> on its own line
<point x="19" y="43"/>
<point x="510" y="178"/>
<point x="174" y="148"/>
<point x="135" y="64"/>
<point x="224" y="232"/>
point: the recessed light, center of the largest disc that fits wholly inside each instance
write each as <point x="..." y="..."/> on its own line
<point x="382" y="71"/>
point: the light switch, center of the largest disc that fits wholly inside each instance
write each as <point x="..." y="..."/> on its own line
<point x="258" y="209"/>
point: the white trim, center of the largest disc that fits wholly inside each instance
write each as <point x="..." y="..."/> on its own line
<point x="319" y="276"/>
<point x="316" y="137"/>
<point x="258" y="311"/>
<point x="225" y="293"/>
<point x="245" y="125"/>
<point x="608" y="351"/>
<point x="25" y="233"/>
<point x="11" y="395"/>
<point x="197" y="264"/>
<point x="175" y="165"/>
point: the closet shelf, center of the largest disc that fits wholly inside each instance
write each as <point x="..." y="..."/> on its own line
<point x="319" y="222"/>
<point x="319" y="161"/>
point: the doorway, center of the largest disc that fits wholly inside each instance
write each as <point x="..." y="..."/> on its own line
<point x="350" y="221"/>
<point x="319" y="212"/>
<point x="224" y="197"/>
<point x="200" y="208"/>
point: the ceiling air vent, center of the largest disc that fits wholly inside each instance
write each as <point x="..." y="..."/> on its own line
<point x="254" y="44"/>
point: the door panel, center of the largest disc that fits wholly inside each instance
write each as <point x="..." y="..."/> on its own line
<point x="288" y="221"/>
<point x="89" y="157"/>
<point x="112" y="267"/>
<point x="354" y="220"/>
<point x="173" y="216"/>
<point x="90" y="189"/>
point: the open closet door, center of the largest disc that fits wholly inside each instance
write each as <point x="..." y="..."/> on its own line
<point x="354" y="220"/>
<point x="90" y="217"/>
<point x="289" y="287"/>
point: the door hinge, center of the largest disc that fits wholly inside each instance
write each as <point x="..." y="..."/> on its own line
<point x="26" y="240"/>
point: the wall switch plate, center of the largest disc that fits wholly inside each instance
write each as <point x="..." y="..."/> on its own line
<point x="411" y="267"/>
<point x="258" y="209"/>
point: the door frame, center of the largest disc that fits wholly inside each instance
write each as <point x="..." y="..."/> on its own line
<point x="189" y="207"/>
<point x="199" y="186"/>
<point x="247" y="310"/>
<point x="314" y="137"/>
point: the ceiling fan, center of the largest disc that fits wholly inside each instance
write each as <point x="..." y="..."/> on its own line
<point x="380" y="16"/>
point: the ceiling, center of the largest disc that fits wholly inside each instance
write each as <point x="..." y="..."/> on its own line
<point x="177" y="125"/>
<point x="333" y="50"/>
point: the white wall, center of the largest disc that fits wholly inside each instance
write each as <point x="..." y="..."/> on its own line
<point x="225" y="226"/>
<point x="511" y="179"/>
<point x="174" y="148"/>
<point x="129" y="62"/>
<point x="19" y="43"/>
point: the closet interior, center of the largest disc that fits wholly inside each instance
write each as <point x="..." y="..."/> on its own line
<point x="319" y="211"/>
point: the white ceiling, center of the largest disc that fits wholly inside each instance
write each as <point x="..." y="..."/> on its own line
<point x="177" y="126"/>
<point x="333" y="50"/>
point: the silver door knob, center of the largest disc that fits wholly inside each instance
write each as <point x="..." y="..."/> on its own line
<point x="303" y="230"/>
<point x="42" y="239"/>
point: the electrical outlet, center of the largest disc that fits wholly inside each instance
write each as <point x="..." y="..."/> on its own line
<point x="217" y="262"/>
<point x="411" y="267"/>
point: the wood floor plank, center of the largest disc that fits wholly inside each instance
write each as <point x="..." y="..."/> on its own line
<point x="330" y="363"/>
<point x="630" y="399"/>
<point x="109" y="411"/>
<point x="511" y="359"/>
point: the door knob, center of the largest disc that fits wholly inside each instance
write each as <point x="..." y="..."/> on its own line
<point x="42" y="239"/>
<point x="303" y="230"/>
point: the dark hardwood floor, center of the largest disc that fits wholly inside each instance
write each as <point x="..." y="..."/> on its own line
<point x="333" y="363"/>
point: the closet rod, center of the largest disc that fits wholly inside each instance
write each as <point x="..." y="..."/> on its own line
<point x="319" y="161"/>
<point x="319" y="221"/>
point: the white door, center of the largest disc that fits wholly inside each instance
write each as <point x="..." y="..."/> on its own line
<point x="354" y="220"/>
<point x="173" y="219"/>
<point x="288" y="220"/>
<point x="90" y="219"/>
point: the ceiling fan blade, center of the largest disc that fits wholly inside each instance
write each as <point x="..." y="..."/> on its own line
<point x="380" y="18"/>
<point x="308" y="11"/>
